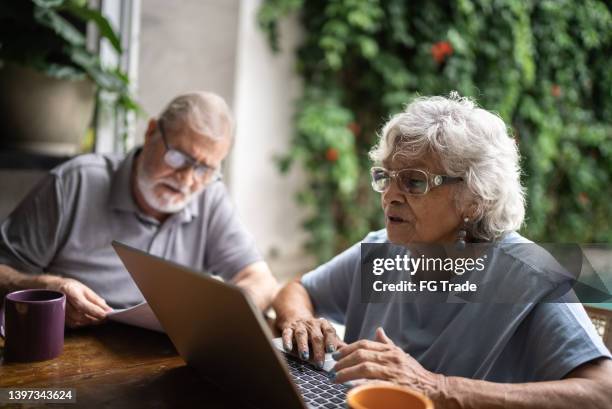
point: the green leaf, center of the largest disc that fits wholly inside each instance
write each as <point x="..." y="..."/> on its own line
<point x="48" y="4"/>
<point x="369" y="47"/>
<point x="61" y="71"/>
<point x="59" y="25"/>
<point x="90" y="63"/>
<point x="104" y="26"/>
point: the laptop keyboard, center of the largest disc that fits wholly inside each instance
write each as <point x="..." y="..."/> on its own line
<point x="315" y="387"/>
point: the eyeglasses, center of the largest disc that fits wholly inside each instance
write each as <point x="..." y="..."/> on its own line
<point x="179" y="160"/>
<point x="411" y="181"/>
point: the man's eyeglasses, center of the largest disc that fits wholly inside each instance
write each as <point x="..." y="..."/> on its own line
<point x="411" y="181"/>
<point x="179" y="160"/>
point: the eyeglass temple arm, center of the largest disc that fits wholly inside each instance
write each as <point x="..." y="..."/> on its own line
<point x="450" y="179"/>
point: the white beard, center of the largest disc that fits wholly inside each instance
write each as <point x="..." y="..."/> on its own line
<point x="167" y="202"/>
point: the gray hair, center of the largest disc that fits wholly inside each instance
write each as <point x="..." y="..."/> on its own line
<point x="471" y="143"/>
<point x="203" y="112"/>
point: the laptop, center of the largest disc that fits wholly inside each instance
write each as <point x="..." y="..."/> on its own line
<point x="217" y="330"/>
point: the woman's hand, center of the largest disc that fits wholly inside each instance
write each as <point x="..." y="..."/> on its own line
<point x="383" y="360"/>
<point x="317" y="331"/>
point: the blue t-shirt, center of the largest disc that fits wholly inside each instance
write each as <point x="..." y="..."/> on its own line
<point x="505" y="342"/>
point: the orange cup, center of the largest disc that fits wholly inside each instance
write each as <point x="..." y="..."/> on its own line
<point x="386" y="396"/>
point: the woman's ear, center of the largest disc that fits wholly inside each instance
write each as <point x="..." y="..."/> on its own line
<point x="150" y="132"/>
<point x="471" y="211"/>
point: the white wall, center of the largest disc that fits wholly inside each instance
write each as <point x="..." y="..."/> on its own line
<point x="186" y="45"/>
<point x="216" y="45"/>
<point x="266" y="89"/>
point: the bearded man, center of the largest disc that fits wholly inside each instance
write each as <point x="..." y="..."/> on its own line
<point x="166" y="197"/>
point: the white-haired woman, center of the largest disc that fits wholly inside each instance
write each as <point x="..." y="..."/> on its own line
<point x="448" y="173"/>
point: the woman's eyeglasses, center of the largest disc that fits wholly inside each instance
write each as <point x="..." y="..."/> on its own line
<point x="411" y="181"/>
<point x="179" y="160"/>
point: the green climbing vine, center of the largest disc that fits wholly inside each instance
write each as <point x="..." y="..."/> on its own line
<point x="543" y="65"/>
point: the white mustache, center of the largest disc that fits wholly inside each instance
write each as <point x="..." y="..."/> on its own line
<point x="184" y="190"/>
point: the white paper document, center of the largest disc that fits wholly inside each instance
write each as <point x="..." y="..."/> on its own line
<point x="139" y="315"/>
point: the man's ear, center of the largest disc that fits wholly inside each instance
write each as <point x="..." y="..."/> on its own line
<point x="150" y="132"/>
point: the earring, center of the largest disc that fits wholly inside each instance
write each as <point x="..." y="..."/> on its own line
<point x="461" y="235"/>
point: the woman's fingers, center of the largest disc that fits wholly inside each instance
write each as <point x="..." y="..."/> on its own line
<point x="287" y="339"/>
<point x="317" y="343"/>
<point x="364" y="370"/>
<point x="332" y="342"/>
<point x="358" y="357"/>
<point x="362" y="344"/>
<point x="312" y="338"/>
<point x="300" y="333"/>
<point x="341" y="344"/>
<point x="381" y="336"/>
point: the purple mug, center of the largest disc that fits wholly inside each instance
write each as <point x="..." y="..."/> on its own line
<point x="33" y="327"/>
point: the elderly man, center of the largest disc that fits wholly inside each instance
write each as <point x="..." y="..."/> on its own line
<point x="165" y="198"/>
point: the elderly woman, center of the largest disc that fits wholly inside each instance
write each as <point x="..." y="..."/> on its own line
<point x="448" y="173"/>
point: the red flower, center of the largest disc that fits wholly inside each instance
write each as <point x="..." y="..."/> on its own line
<point x="331" y="155"/>
<point x="441" y="50"/>
<point x="555" y="90"/>
<point x="354" y="127"/>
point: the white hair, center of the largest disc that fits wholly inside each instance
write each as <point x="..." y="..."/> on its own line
<point x="471" y="143"/>
<point x="203" y="112"/>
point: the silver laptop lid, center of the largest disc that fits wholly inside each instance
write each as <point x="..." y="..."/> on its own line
<point x="215" y="328"/>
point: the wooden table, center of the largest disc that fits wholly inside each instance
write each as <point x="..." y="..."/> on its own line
<point x="117" y="366"/>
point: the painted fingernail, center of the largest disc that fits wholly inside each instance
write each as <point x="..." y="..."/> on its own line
<point x="336" y="355"/>
<point x="305" y="355"/>
<point x="320" y="364"/>
<point x="330" y="348"/>
<point x="332" y="375"/>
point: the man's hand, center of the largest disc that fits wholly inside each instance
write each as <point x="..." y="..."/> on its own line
<point x="83" y="305"/>
<point x="383" y="360"/>
<point x="318" y="331"/>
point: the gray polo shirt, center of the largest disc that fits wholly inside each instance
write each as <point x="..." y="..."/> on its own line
<point x="65" y="226"/>
<point x="500" y="342"/>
